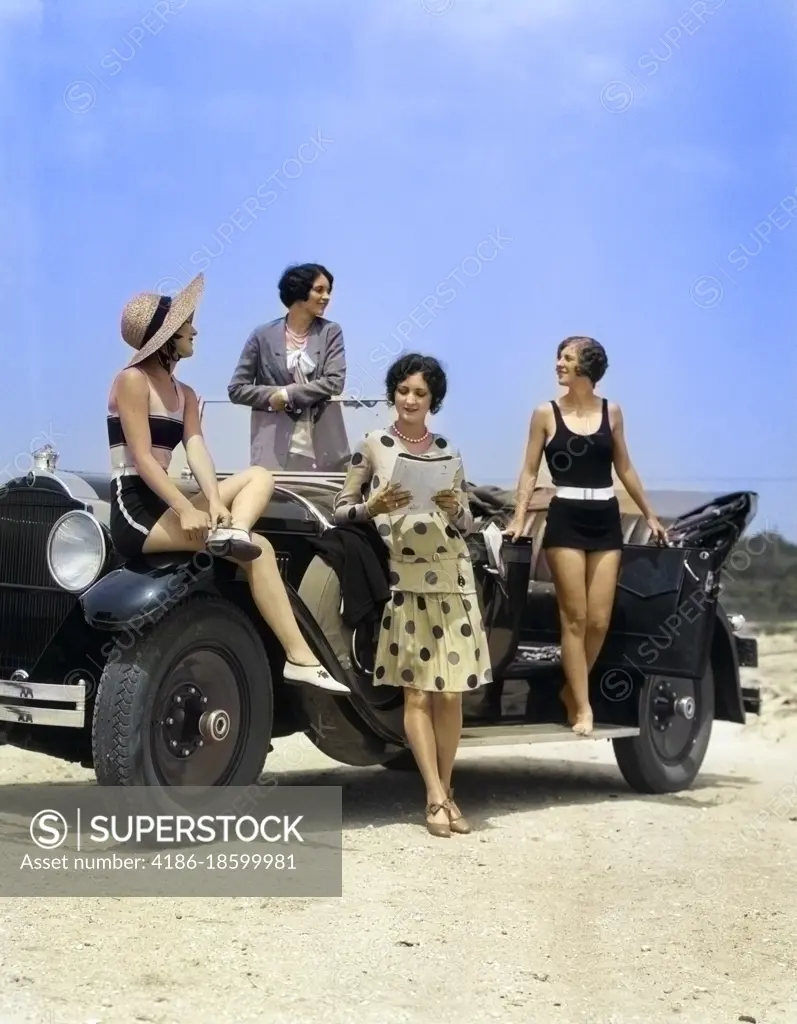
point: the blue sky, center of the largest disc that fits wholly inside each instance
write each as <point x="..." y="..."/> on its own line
<point x="635" y="161"/>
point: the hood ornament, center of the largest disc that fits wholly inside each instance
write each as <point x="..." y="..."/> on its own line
<point x="45" y="458"/>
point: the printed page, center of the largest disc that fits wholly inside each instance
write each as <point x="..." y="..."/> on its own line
<point x="423" y="478"/>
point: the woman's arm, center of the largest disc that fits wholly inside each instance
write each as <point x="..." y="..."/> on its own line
<point x="196" y="451"/>
<point x="624" y="467"/>
<point x="132" y="401"/>
<point x="350" y="504"/>
<point x="242" y="390"/>
<point x="531" y="467"/>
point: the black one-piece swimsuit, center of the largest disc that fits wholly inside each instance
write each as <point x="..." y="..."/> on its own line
<point x="582" y="460"/>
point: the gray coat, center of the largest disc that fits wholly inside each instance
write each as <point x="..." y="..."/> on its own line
<point x="263" y="369"/>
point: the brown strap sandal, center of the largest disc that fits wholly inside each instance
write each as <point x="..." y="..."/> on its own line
<point x="459" y="824"/>
<point x="435" y="828"/>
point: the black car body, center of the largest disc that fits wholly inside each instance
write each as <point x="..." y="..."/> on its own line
<point x="160" y="671"/>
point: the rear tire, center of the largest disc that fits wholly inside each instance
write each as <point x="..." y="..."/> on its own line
<point x="204" y="656"/>
<point x="640" y="758"/>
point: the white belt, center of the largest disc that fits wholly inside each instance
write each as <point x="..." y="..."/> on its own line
<point x="585" y="493"/>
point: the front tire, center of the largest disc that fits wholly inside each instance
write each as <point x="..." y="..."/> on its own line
<point x="667" y="754"/>
<point x="188" y="702"/>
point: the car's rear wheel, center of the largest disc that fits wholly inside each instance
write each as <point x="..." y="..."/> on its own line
<point x="187" y="702"/>
<point x="675" y="721"/>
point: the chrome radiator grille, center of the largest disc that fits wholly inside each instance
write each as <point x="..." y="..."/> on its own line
<point x="32" y="607"/>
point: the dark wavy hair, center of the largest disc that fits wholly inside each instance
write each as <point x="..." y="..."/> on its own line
<point x="296" y="282"/>
<point x="431" y="370"/>
<point x="592" y="359"/>
<point x="167" y="355"/>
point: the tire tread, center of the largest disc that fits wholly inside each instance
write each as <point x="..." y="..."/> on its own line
<point x="114" y="731"/>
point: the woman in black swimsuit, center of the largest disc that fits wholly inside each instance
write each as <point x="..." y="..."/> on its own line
<point x="149" y="414"/>
<point x="582" y="437"/>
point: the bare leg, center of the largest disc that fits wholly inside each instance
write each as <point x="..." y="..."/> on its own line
<point x="247" y="495"/>
<point x="274" y="604"/>
<point x="568" y="569"/>
<point x="447" y="719"/>
<point x="602" y="570"/>
<point x="420" y="732"/>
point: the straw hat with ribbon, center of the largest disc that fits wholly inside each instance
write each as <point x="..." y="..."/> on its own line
<point x="150" y="319"/>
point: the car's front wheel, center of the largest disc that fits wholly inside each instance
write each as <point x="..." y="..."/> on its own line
<point x="187" y="702"/>
<point x="675" y="721"/>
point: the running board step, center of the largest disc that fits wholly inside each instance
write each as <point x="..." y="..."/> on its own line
<point x="538" y="732"/>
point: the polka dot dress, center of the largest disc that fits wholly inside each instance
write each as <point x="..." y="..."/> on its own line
<point x="432" y="635"/>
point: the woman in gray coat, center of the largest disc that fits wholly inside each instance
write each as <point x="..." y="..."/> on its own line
<point x="288" y="371"/>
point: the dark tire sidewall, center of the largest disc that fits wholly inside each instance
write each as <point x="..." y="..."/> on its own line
<point x="638" y="758"/>
<point x="135" y="672"/>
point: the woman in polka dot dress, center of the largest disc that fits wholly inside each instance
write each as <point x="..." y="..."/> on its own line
<point x="432" y="641"/>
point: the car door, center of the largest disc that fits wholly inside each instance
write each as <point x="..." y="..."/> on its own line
<point x="664" y="610"/>
<point x="663" y="614"/>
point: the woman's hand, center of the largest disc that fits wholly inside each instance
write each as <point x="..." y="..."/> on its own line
<point x="659" y="533"/>
<point x="387" y="500"/>
<point x="219" y="514"/>
<point x="278" y="401"/>
<point x="516" y="527"/>
<point x="448" y="502"/>
<point x="195" y="523"/>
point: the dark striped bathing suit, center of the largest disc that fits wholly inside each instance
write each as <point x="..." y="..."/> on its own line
<point x="135" y="507"/>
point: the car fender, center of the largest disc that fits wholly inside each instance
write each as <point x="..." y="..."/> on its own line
<point x="728" y="700"/>
<point x="140" y="592"/>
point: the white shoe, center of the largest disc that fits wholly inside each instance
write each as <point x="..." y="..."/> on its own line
<point x="232" y="542"/>
<point x="313" y="675"/>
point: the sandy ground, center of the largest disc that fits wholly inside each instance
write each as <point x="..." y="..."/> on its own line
<point x="574" y="901"/>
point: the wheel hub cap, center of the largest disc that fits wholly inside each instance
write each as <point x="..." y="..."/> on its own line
<point x="667" y="706"/>
<point x="214" y="725"/>
<point x="189" y="724"/>
<point x="674" y="720"/>
<point x="685" y="708"/>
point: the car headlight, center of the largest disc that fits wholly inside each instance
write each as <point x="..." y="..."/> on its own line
<point x="77" y="549"/>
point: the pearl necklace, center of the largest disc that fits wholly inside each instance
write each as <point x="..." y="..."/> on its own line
<point x="410" y="440"/>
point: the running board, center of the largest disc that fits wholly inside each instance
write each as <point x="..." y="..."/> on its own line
<point x="538" y="732"/>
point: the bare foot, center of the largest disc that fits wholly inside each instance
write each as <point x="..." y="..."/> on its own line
<point x="583" y="722"/>
<point x="566" y="696"/>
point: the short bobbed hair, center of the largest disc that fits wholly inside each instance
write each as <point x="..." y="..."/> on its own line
<point x="297" y="281"/>
<point x="431" y="370"/>
<point x="592" y="360"/>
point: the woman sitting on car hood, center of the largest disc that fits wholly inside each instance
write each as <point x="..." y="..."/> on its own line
<point x="149" y="414"/>
<point x="432" y="641"/>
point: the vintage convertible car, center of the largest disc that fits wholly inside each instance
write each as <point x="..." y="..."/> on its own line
<point x="158" y="671"/>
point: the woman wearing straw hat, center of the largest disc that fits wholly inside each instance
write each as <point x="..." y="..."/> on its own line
<point x="149" y="414"/>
